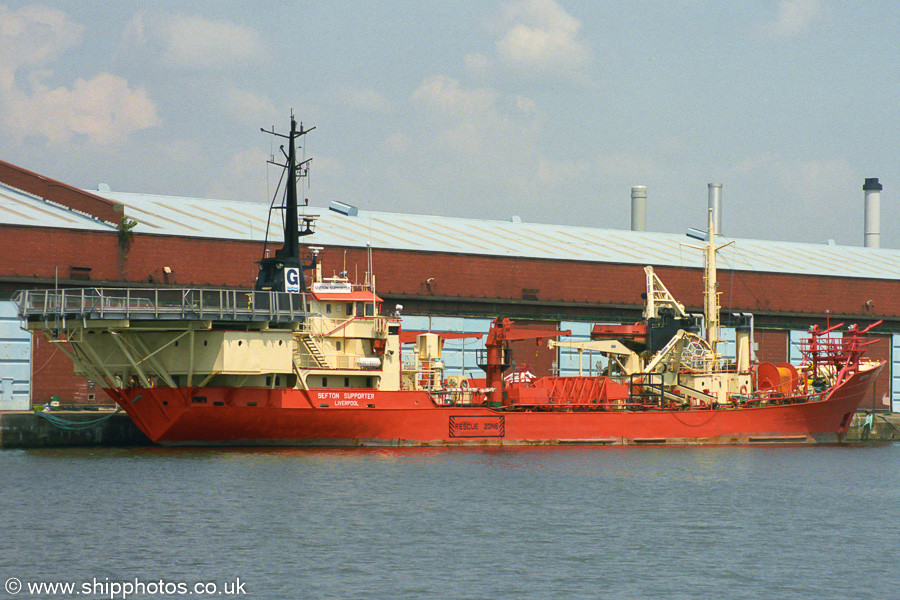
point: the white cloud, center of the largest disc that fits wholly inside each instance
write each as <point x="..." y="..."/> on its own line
<point x="764" y="161"/>
<point x="243" y="178"/>
<point x="248" y="177"/>
<point x="469" y="121"/>
<point x="557" y="172"/>
<point x="365" y="99"/>
<point x="397" y="142"/>
<point x="477" y="65"/>
<point x="32" y="37"/>
<point x="326" y="165"/>
<point x="790" y="195"/>
<point x="813" y="180"/>
<point x="479" y="152"/>
<point x="793" y="18"/>
<point x="639" y="166"/>
<point x="810" y="183"/>
<point x="249" y="107"/>
<point x="442" y="95"/>
<point x="190" y="43"/>
<point x="526" y="105"/>
<point x="182" y="151"/>
<point x="542" y="40"/>
<point x="104" y="109"/>
<point x="475" y="144"/>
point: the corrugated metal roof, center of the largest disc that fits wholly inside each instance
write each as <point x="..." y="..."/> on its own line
<point x="21" y="208"/>
<point x="201" y="217"/>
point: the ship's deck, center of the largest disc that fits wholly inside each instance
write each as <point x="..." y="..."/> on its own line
<point x="162" y="304"/>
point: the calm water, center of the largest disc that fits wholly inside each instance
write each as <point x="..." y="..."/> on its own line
<point x="785" y="522"/>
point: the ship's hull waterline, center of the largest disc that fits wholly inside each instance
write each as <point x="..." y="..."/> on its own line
<point x="292" y="417"/>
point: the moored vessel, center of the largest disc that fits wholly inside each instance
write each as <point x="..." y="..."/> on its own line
<point x="306" y="360"/>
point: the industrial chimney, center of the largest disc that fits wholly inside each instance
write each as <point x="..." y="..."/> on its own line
<point x="715" y="205"/>
<point x="639" y="208"/>
<point x="873" y="212"/>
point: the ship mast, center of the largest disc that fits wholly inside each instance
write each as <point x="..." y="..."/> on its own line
<point x="710" y="288"/>
<point x="284" y="272"/>
<point x="291" y="233"/>
<point x="710" y="291"/>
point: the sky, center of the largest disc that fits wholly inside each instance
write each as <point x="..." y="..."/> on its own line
<point x="547" y="110"/>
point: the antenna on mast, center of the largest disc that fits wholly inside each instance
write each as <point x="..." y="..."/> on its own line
<point x="284" y="272"/>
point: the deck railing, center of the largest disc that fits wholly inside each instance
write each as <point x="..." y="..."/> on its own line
<point x="162" y="304"/>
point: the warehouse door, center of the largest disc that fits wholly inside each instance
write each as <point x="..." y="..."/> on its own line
<point x="15" y="360"/>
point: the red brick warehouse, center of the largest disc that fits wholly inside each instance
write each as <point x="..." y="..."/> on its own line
<point x="542" y="275"/>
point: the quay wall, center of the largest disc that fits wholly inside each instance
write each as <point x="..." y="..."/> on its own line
<point x="27" y="429"/>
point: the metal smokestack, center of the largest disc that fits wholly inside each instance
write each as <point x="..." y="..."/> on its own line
<point x="873" y="212"/>
<point x="639" y="208"/>
<point x="715" y="205"/>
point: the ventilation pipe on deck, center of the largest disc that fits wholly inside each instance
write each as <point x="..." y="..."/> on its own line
<point x="639" y="208"/>
<point x="873" y="212"/>
<point x="715" y="205"/>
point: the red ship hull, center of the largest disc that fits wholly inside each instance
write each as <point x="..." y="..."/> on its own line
<point x="323" y="417"/>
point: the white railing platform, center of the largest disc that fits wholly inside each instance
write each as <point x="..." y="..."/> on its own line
<point x="162" y="304"/>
